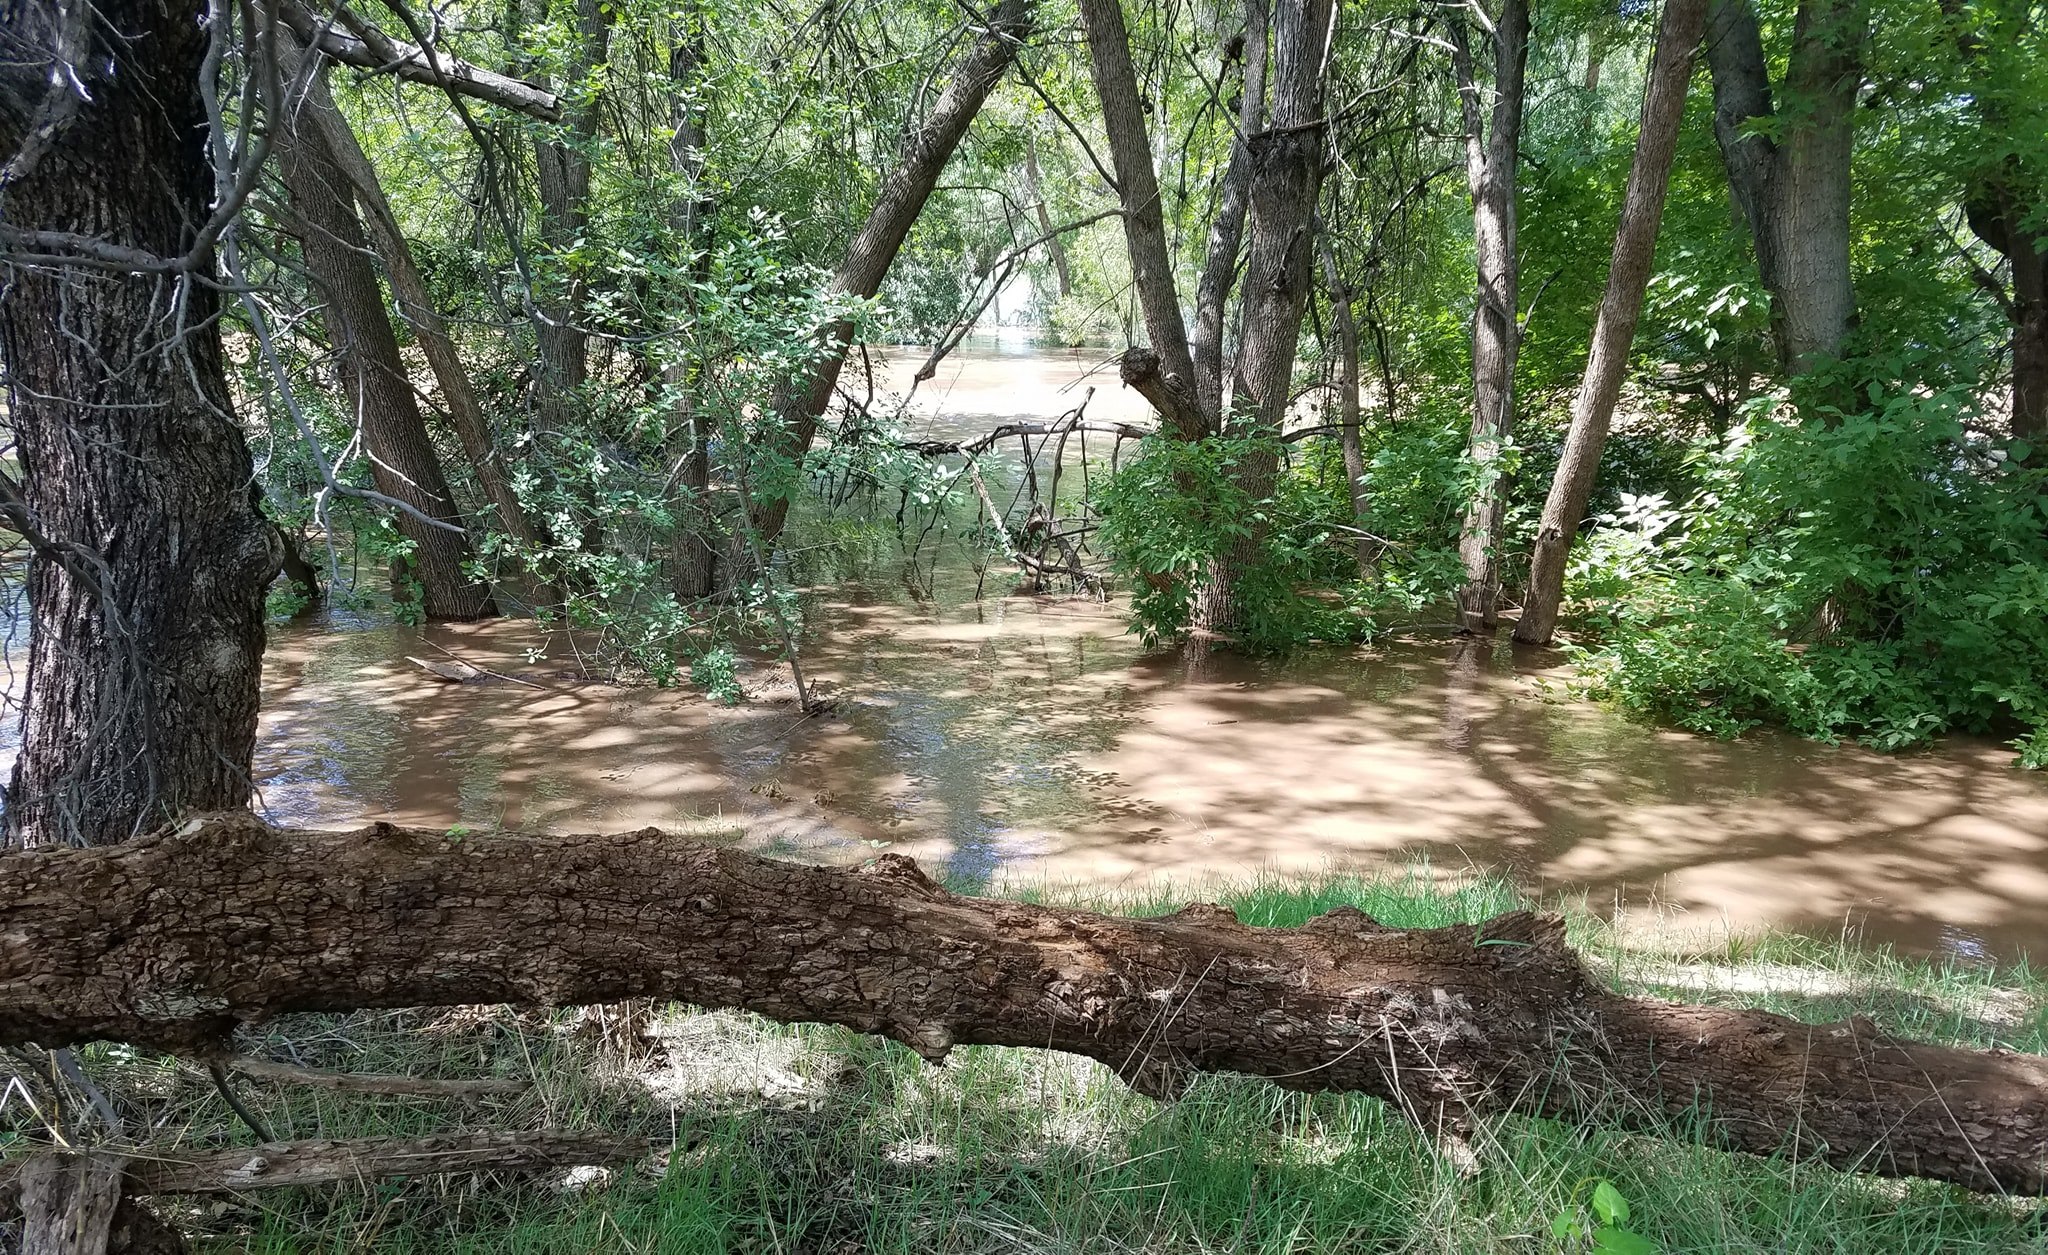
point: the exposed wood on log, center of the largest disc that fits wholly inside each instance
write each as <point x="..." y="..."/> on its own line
<point x="376" y="1082"/>
<point x="174" y="939"/>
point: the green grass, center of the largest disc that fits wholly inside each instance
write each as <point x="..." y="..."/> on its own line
<point x="822" y="1141"/>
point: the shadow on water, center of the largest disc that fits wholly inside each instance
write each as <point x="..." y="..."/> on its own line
<point x="1029" y="740"/>
<point x="1026" y="740"/>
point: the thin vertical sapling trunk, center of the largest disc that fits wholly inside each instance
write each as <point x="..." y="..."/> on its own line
<point x="1492" y="162"/>
<point x="1628" y="276"/>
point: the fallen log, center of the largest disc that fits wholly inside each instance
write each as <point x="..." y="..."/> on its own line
<point x="175" y="939"/>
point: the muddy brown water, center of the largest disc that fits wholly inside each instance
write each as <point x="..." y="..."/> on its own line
<point x="1023" y="740"/>
<point x="1020" y="740"/>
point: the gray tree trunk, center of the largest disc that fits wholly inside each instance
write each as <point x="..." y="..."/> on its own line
<point x="403" y="462"/>
<point x="1350" y="378"/>
<point x="1286" y="164"/>
<point x="693" y="555"/>
<point x="148" y="555"/>
<point x="562" y="175"/>
<point x="1628" y="276"/>
<point x="1492" y="163"/>
<point x="1794" y="190"/>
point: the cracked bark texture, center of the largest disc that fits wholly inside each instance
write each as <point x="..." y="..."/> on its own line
<point x="1794" y="189"/>
<point x="174" y="939"/>
<point x="150" y="557"/>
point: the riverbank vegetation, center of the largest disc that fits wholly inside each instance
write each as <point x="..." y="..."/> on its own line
<point x="1789" y="451"/>
<point x="1499" y="315"/>
<point x="768" y="1137"/>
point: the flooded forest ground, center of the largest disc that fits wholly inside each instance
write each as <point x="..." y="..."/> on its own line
<point x="1018" y="742"/>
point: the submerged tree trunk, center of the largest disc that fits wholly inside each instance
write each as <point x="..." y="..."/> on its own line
<point x="1793" y="188"/>
<point x="921" y="158"/>
<point x="1628" y="276"/>
<point x="1492" y="163"/>
<point x="1285" y="158"/>
<point x="175" y="939"/>
<point x="416" y="306"/>
<point x="403" y="463"/>
<point x="148" y="555"/>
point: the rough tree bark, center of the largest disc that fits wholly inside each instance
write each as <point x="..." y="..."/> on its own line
<point x="403" y="463"/>
<point x="149" y="555"/>
<point x="1164" y="374"/>
<point x="920" y="159"/>
<point x="1286" y="164"/>
<point x="1350" y="378"/>
<point x="1492" y="163"/>
<point x="1793" y="190"/>
<point x="1628" y="276"/>
<point x="174" y="939"/>
<point x="416" y="306"/>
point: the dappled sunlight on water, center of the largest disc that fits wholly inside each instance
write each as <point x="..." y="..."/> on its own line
<point x="1028" y="740"/>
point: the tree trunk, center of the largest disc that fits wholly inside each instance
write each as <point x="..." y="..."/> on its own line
<point x="920" y="159"/>
<point x="1285" y="159"/>
<point x="1794" y="190"/>
<point x="173" y="940"/>
<point x="416" y="306"/>
<point x="403" y="463"/>
<point x="1628" y="276"/>
<point x="149" y="557"/>
<point x="1350" y="379"/>
<point x="1055" y="248"/>
<point x="1226" y="231"/>
<point x="1165" y="373"/>
<point x="562" y="175"/>
<point x="1492" y="162"/>
<point x="693" y="556"/>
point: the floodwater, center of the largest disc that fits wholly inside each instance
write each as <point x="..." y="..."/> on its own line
<point x="1027" y="740"/>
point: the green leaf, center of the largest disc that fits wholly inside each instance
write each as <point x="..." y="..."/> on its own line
<point x="1612" y="1241"/>
<point x="1609" y="1205"/>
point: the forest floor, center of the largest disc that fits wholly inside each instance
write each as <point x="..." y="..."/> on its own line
<point x="823" y="1141"/>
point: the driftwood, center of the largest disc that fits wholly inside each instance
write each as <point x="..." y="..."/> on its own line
<point x="82" y="1204"/>
<point x="174" y="939"/>
<point x="376" y="1082"/>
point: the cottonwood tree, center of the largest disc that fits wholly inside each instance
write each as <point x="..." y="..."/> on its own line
<point x="1789" y="166"/>
<point x="922" y="154"/>
<point x="384" y="408"/>
<point x="1263" y="221"/>
<point x="1493" y="138"/>
<point x="148" y="555"/>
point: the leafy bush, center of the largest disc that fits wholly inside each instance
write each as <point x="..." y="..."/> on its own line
<point x="1883" y="575"/>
